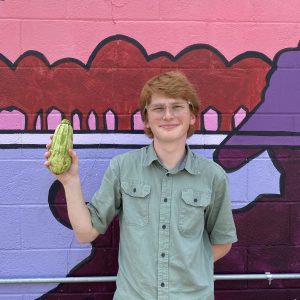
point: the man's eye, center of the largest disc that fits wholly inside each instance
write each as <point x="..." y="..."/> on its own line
<point x="178" y="106"/>
<point x="158" y="108"/>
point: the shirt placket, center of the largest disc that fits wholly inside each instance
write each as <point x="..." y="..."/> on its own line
<point x="164" y="238"/>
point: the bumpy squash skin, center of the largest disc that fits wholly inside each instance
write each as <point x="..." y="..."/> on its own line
<point x="62" y="141"/>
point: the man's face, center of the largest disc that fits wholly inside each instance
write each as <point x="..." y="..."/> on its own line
<point x="169" y="119"/>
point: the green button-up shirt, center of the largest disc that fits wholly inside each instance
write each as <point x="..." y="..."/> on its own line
<point x="168" y="221"/>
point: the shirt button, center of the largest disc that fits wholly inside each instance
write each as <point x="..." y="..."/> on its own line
<point x="162" y="284"/>
<point x="166" y="199"/>
<point x="163" y="255"/>
<point x="164" y="227"/>
<point x="168" y="174"/>
<point x="195" y="200"/>
<point x="134" y="190"/>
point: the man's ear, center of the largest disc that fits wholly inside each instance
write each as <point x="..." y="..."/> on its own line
<point x="193" y="119"/>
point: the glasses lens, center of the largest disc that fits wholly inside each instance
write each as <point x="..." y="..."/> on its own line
<point x="176" y="108"/>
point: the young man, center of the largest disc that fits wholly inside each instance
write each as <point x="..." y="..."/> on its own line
<point x="173" y="205"/>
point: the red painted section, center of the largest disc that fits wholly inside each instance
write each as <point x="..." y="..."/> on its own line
<point x="115" y="78"/>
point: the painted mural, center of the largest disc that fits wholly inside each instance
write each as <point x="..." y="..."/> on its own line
<point x="249" y="124"/>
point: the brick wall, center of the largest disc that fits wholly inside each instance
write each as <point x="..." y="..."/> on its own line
<point x="84" y="59"/>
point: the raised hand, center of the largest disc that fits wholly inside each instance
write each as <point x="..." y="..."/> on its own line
<point x="72" y="173"/>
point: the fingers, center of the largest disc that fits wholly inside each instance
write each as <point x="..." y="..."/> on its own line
<point x="48" y="146"/>
<point x="73" y="154"/>
<point x="47" y="154"/>
<point x="47" y="164"/>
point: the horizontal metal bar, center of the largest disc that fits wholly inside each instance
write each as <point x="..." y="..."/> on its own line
<point x="60" y="279"/>
<point x="267" y="276"/>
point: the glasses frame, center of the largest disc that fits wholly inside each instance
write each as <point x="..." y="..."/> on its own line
<point x="172" y="112"/>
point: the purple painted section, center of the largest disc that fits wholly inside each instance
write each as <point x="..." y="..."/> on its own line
<point x="269" y="229"/>
<point x="254" y="140"/>
<point x="289" y="59"/>
<point x="41" y="246"/>
<point x="33" y="242"/>
<point x="258" y="177"/>
<point x="10" y="222"/>
<point x="280" y="109"/>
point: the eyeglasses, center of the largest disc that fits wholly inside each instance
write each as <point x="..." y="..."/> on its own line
<point x="176" y="108"/>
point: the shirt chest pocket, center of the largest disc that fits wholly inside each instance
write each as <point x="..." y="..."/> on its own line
<point x="192" y="205"/>
<point x="135" y="202"/>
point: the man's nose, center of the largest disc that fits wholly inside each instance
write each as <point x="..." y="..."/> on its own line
<point x="168" y="112"/>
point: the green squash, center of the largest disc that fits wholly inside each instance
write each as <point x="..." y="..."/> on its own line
<point x="62" y="141"/>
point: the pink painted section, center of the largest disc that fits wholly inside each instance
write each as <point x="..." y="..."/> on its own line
<point x="239" y="116"/>
<point x="211" y="120"/>
<point x="76" y="122"/>
<point x="137" y="122"/>
<point x="53" y="119"/>
<point x="11" y="33"/>
<point x="136" y="10"/>
<point x="92" y="121"/>
<point x="73" y="28"/>
<point x="110" y="120"/>
<point x="12" y="120"/>
<point x="38" y="123"/>
<point x="33" y="9"/>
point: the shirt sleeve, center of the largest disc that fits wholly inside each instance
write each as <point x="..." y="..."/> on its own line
<point x="106" y="202"/>
<point x="219" y="220"/>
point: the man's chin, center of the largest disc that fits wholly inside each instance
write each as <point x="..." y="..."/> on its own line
<point x="170" y="136"/>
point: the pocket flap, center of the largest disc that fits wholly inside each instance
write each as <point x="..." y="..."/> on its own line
<point x="195" y="197"/>
<point x="136" y="189"/>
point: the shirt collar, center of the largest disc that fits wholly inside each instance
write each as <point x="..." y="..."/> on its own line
<point x="149" y="155"/>
<point x="189" y="162"/>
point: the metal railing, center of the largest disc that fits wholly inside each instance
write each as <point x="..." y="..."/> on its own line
<point x="266" y="276"/>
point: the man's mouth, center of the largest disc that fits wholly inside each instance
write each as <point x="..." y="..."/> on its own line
<point x="169" y="126"/>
